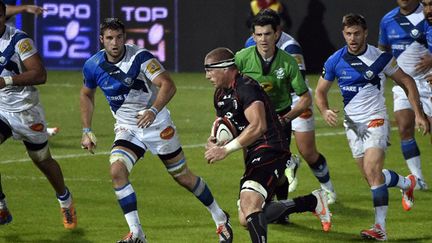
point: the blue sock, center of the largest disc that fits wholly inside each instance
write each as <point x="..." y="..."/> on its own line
<point x="127" y="198"/>
<point x="409" y="148"/>
<point x="320" y="169"/>
<point x="202" y="192"/>
<point x="380" y="195"/>
<point x="391" y="178"/>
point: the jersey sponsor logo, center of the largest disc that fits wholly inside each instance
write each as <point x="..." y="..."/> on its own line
<point x="369" y="75"/>
<point x="25" y="46"/>
<point x="280" y="73"/>
<point x="415" y="33"/>
<point x="153" y="67"/>
<point x="38" y="127"/>
<point x="267" y="86"/>
<point x="376" y="123"/>
<point x="306" y="114"/>
<point x="167" y="133"/>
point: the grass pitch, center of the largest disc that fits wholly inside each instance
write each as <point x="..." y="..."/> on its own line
<point x="168" y="212"/>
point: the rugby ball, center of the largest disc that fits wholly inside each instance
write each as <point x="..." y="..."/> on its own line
<point x="223" y="130"/>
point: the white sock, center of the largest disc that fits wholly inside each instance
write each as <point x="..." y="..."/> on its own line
<point x="380" y="216"/>
<point x="328" y="186"/>
<point x="3" y="204"/>
<point x="414" y="165"/>
<point x="403" y="183"/>
<point x="218" y="215"/>
<point x="134" y="223"/>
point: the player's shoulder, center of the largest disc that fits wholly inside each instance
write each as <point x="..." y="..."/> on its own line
<point x="245" y="52"/>
<point x="337" y="55"/>
<point x="287" y="39"/>
<point x="95" y="60"/>
<point x="250" y="42"/>
<point x="388" y="17"/>
<point x="136" y="53"/>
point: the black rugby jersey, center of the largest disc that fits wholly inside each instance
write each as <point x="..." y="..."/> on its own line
<point x="231" y="103"/>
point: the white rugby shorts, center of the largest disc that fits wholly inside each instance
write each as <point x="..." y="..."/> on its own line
<point x="371" y="134"/>
<point x="160" y="138"/>
<point x="28" y="125"/>
<point x="306" y="121"/>
<point x="401" y="101"/>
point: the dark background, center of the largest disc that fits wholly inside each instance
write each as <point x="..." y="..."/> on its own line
<point x="207" y="24"/>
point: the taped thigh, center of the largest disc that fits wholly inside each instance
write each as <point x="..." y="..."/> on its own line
<point x="178" y="168"/>
<point x="253" y="186"/>
<point x="128" y="159"/>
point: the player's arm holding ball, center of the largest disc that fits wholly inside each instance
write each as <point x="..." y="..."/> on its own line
<point x="255" y="114"/>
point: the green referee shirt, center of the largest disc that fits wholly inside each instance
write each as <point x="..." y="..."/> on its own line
<point x="279" y="78"/>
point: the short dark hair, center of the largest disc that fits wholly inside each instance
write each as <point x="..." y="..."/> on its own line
<point x="352" y="19"/>
<point x="3" y="7"/>
<point x="266" y="17"/>
<point x="112" y="24"/>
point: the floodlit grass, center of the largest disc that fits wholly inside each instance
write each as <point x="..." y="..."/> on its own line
<point x="168" y="212"/>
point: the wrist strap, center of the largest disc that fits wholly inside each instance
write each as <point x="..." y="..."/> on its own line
<point x="154" y="110"/>
<point x="232" y="146"/>
<point x="86" y="130"/>
<point x="8" y="80"/>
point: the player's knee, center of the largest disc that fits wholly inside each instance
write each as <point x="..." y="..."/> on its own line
<point x="40" y="155"/>
<point x="119" y="160"/>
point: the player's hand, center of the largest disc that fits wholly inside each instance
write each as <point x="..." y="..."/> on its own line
<point x="145" y="118"/>
<point x="211" y="142"/>
<point x="330" y="116"/>
<point x="285" y="119"/>
<point x="214" y="154"/>
<point x="424" y="64"/>
<point x="88" y="141"/>
<point x="422" y="124"/>
<point x="34" y="9"/>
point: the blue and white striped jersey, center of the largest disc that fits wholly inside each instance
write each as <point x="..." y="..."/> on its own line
<point x="127" y="85"/>
<point x="15" y="47"/>
<point x="361" y="81"/>
<point x="406" y="37"/>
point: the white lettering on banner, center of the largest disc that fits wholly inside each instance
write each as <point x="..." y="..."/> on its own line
<point x="68" y="11"/>
<point x="67" y="41"/>
<point x="144" y="14"/>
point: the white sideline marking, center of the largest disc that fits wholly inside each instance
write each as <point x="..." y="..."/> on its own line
<point x="86" y="154"/>
<point x="33" y="178"/>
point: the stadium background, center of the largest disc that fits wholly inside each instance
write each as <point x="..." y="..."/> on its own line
<point x="190" y="28"/>
<point x="167" y="212"/>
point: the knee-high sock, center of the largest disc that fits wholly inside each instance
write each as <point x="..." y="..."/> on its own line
<point x="393" y="179"/>
<point x="128" y="203"/>
<point x="257" y="227"/>
<point x="321" y="172"/>
<point x="203" y="193"/>
<point x="380" y="201"/>
<point x="411" y="154"/>
<point x="277" y="209"/>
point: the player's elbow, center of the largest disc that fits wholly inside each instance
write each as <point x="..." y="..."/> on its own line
<point x="41" y="77"/>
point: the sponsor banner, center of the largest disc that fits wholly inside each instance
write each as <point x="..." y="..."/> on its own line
<point x="150" y="24"/>
<point x="67" y="33"/>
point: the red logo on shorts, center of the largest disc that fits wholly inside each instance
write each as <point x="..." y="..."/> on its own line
<point x="38" y="127"/>
<point x="167" y="133"/>
<point x="306" y="114"/>
<point x="376" y="123"/>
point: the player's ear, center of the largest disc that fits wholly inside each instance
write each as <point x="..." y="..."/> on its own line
<point x="101" y="39"/>
<point x="366" y="33"/>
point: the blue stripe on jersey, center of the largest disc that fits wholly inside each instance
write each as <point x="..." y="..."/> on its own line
<point x="293" y="49"/>
<point x="250" y="42"/>
<point x="415" y="32"/>
<point x="428" y="34"/>
<point x="115" y="83"/>
<point x="10" y="51"/>
<point x="366" y="75"/>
